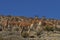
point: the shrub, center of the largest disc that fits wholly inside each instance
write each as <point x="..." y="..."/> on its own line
<point x="24" y="34"/>
<point x="57" y="29"/>
<point x="48" y="28"/>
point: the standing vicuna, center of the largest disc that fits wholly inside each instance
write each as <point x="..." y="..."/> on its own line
<point x="4" y="24"/>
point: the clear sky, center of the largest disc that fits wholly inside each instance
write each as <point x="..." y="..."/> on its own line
<point x="30" y="8"/>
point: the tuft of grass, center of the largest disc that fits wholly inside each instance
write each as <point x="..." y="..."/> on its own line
<point x="48" y="28"/>
<point x="1" y="37"/>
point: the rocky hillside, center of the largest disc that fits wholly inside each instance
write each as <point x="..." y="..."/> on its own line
<point x="29" y="27"/>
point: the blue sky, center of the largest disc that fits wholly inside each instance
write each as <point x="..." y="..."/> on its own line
<point x="30" y="8"/>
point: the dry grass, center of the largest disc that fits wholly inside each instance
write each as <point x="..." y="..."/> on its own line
<point x="45" y="36"/>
